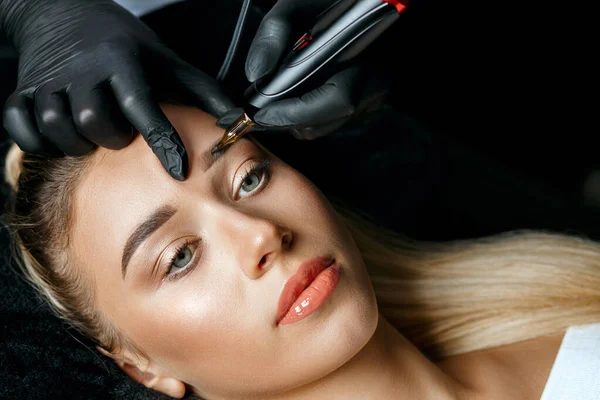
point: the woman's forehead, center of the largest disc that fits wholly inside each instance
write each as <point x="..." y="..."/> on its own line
<point x="121" y="187"/>
<point x="117" y="191"/>
<point x="133" y="176"/>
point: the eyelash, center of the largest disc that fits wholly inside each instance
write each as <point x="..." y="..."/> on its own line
<point x="259" y="167"/>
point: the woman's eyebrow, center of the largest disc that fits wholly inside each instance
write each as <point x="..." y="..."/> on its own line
<point x="143" y="231"/>
<point x="210" y="156"/>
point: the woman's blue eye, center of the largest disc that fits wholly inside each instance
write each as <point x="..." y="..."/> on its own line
<point x="251" y="182"/>
<point x="183" y="257"/>
<point x="184" y="260"/>
<point x="254" y="180"/>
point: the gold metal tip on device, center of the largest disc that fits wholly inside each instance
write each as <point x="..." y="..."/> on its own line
<point x="236" y="130"/>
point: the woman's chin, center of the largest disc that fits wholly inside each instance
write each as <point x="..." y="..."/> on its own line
<point x="339" y="328"/>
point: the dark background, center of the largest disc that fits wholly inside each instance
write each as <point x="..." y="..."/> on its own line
<point x="488" y="128"/>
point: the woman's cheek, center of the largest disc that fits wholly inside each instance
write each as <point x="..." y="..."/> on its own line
<point x="176" y="318"/>
<point x="301" y="201"/>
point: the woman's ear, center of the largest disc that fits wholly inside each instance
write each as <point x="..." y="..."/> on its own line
<point x="144" y="372"/>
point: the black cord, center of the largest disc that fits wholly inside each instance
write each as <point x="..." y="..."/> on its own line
<point x="235" y="41"/>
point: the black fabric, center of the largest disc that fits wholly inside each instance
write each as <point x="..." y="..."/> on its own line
<point x="420" y="166"/>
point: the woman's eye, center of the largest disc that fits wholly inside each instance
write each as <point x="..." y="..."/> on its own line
<point x="183" y="258"/>
<point x="251" y="182"/>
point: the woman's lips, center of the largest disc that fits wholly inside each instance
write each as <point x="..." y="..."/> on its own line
<point x="304" y="292"/>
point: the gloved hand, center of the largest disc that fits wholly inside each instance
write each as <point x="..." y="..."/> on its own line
<point x="319" y="111"/>
<point x="88" y="71"/>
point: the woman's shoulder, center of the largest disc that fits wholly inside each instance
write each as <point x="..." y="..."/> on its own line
<point x="515" y="371"/>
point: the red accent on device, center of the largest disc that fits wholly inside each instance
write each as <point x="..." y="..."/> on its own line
<point x="397" y="4"/>
<point x="303" y="41"/>
<point x="299" y="41"/>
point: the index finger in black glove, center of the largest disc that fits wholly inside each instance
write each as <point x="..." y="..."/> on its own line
<point x="135" y="99"/>
<point x="86" y="70"/>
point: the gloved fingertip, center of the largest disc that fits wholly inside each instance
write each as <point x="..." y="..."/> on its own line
<point x="222" y="123"/>
<point x="229" y="117"/>
<point x="269" y="118"/>
<point x="254" y="70"/>
<point x="171" y="153"/>
<point x="261" y="64"/>
<point x="175" y="163"/>
<point x="179" y="169"/>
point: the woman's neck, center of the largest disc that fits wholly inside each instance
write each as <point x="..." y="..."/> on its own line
<point x="388" y="367"/>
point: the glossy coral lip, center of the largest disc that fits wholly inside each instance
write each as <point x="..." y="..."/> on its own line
<point x="295" y="285"/>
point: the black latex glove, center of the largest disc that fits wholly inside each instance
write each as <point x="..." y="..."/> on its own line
<point x="89" y="71"/>
<point x="321" y="110"/>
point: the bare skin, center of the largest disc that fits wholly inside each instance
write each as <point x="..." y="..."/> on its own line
<point x="241" y="228"/>
<point x="517" y="371"/>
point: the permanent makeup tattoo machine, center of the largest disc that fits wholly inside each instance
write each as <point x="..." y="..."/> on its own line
<point x="340" y="33"/>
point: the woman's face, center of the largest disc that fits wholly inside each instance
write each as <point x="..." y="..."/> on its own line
<point x="200" y="285"/>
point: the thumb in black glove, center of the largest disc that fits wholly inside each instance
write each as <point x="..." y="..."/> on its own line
<point x="320" y="111"/>
<point x="88" y="70"/>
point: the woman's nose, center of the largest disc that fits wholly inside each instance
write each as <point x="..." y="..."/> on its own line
<point x="256" y="242"/>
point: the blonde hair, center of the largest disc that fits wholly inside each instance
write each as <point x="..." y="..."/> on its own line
<point x="39" y="216"/>
<point x="459" y="296"/>
<point x="447" y="298"/>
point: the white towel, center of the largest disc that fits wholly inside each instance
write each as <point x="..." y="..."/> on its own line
<point x="575" y="374"/>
